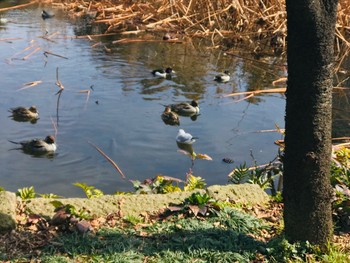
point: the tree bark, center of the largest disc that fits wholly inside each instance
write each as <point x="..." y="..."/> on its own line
<point x="306" y="190"/>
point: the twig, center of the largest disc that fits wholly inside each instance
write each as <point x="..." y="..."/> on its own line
<point x="88" y="36"/>
<point x="252" y="168"/>
<point x="10" y="39"/>
<point x="273" y="130"/>
<point x="280" y="80"/>
<point x="137" y="40"/>
<point x="277" y="90"/>
<point x="30" y="84"/>
<point x="108" y="159"/>
<point x="31" y="53"/>
<point x="53" y="54"/>
<point x="48" y="37"/>
<point x="58" y="82"/>
<point x="88" y="94"/>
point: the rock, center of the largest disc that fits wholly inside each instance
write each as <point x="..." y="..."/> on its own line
<point x="7" y="211"/>
<point x="83" y="226"/>
<point x="239" y="193"/>
<point x="133" y="205"/>
<point x="60" y="218"/>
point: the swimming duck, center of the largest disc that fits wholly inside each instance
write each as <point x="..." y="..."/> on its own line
<point x="46" y="15"/>
<point x="163" y="73"/>
<point x="38" y="145"/>
<point x="25" y="113"/>
<point x="170" y="117"/>
<point x="223" y="77"/>
<point x="184" y="137"/>
<point x="186" y="109"/>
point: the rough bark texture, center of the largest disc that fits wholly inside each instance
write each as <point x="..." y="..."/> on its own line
<point x="307" y="190"/>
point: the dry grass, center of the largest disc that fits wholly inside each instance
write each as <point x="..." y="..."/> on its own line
<point x="258" y="23"/>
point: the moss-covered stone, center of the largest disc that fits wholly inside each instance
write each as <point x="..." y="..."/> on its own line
<point x="136" y="204"/>
<point x="241" y="193"/>
<point x="7" y="211"/>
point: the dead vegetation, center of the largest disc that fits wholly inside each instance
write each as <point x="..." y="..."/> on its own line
<point x="257" y="23"/>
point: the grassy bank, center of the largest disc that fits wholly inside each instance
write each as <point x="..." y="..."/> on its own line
<point x="230" y="234"/>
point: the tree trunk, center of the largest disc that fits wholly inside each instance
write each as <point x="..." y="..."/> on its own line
<point x="306" y="190"/>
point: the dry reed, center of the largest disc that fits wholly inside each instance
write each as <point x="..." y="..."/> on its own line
<point x="258" y="23"/>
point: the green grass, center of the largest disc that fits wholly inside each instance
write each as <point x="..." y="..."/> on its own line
<point x="226" y="237"/>
<point x="222" y="238"/>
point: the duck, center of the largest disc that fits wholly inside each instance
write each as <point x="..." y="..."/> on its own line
<point x="170" y="117"/>
<point x="184" y="137"/>
<point x="223" y="77"/>
<point x="185" y="108"/>
<point x="46" y="15"/>
<point x="25" y="113"/>
<point x="163" y="73"/>
<point x="46" y="145"/>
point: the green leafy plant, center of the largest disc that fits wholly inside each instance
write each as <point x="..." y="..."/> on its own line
<point x="133" y="219"/>
<point x="262" y="175"/>
<point x="161" y="184"/>
<point x="50" y="196"/>
<point x="26" y="193"/>
<point x="239" y="174"/>
<point x="340" y="172"/>
<point x="2" y="189"/>
<point x="340" y="180"/>
<point x="199" y="199"/>
<point x="71" y="210"/>
<point x="280" y="250"/>
<point x="278" y="197"/>
<point x="90" y="191"/>
<point x="194" y="182"/>
<point x="197" y="204"/>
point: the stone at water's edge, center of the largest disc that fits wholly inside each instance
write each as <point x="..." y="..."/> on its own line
<point x="241" y="193"/>
<point x="7" y="211"/>
<point x="136" y="204"/>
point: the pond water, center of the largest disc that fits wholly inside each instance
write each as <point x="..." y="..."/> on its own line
<point x="122" y="113"/>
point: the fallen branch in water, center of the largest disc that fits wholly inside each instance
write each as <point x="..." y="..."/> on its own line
<point x="137" y="40"/>
<point x="10" y="39"/>
<point x="108" y="159"/>
<point x="31" y="84"/>
<point x="255" y="92"/>
<point x="22" y="51"/>
<point x="88" y="94"/>
<point x="31" y="53"/>
<point x="87" y="36"/>
<point x="53" y="54"/>
<point x="277" y="90"/>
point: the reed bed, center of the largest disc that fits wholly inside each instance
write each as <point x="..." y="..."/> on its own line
<point x="257" y="23"/>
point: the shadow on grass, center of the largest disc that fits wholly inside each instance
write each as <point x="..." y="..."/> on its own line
<point x="204" y="244"/>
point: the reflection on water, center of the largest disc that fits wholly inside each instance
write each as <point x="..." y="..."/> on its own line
<point x="185" y="147"/>
<point x="111" y="99"/>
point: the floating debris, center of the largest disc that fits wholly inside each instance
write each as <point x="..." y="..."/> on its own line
<point x="228" y="160"/>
